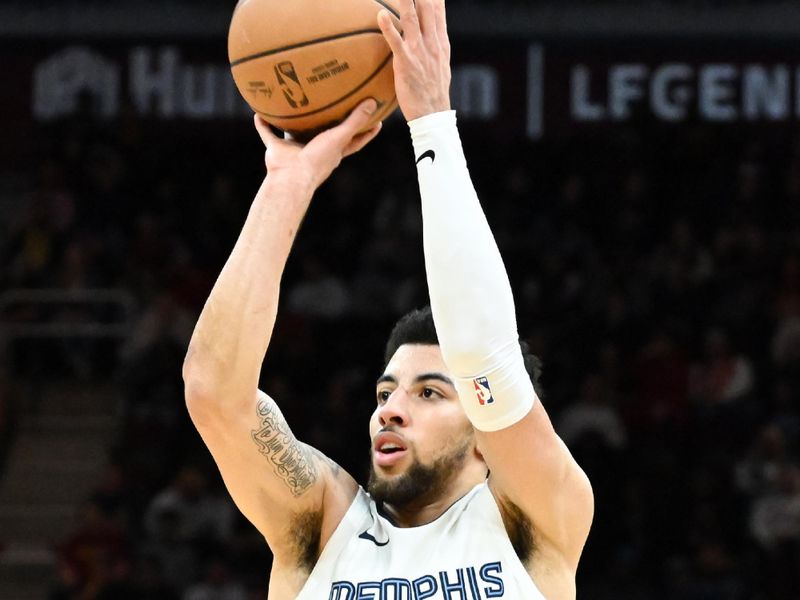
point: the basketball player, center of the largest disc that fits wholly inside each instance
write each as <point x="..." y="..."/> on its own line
<point x="472" y="494"/>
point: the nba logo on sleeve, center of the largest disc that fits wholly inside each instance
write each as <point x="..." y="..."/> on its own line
<point x="483" y="391"/>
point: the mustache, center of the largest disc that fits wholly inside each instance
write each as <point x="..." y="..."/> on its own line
<point x="395" y="430"/>
<point x="389" y="429"/>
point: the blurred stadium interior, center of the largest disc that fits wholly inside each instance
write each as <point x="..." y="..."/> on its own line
<point x="640" y="164"/>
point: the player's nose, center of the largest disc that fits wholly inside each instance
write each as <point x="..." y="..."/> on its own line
<point x="395" y="409"/>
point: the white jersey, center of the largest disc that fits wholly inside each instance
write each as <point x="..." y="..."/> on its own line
<point x="465" y="554"/>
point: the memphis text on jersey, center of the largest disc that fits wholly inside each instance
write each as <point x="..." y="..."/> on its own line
<point x="470" y="583"/>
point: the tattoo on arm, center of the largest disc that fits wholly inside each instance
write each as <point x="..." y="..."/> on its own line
<point x="335" y="468"/>
<point x="292" y="461"/>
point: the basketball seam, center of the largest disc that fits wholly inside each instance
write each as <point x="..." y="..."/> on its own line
<point x="389" y="8"/>
<point x="329" y="38"/>
<point x="327" y="106"/>
<point x="389" y="105"/>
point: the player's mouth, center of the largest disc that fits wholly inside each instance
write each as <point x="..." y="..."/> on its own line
<point x="388" y="449"/>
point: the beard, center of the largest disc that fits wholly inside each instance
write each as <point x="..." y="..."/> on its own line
<point x="420" y="481"/>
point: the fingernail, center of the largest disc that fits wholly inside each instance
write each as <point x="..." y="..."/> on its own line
<point x="370" y="106"/>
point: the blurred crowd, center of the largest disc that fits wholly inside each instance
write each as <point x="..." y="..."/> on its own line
<point x="656" y="273"/>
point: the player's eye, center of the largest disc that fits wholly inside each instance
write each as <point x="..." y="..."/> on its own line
<point x="429" y="393"/>
<point x="383" y="396"/>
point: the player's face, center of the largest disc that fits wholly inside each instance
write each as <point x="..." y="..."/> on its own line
<point x="420" y="434"/>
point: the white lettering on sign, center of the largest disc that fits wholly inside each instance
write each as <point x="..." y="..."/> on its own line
<point x="583" y="109"/>
<point x="671" y="92"/>
<point x="766" y="93"/>
<point x="153" y="81"/>
<point x="717" y="92"/>
<point x="475" y="91"/>
<point x="674" y="92"/>
<point x="627" y="85"/>
<point x="74" y="79"/>
<point x="160" y="84"/>
<point x="535" y="118"/>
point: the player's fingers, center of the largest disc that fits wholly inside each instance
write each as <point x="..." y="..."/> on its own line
<point x="441" y="26"/>
<point x="362" y="140"/>
<point x="357" y="120"/>
<point x="427" y="20"/>
<point x="409" y="20"/>
<point x="361" y="114"/>
<point x="264" y="130"/>
<point x="389" y="31"/>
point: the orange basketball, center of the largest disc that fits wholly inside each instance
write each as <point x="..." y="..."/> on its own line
<point x="303" y="65"/>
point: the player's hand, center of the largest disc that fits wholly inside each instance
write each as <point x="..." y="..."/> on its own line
<point x="421" y="57"/>
<point x="316" y="160"/>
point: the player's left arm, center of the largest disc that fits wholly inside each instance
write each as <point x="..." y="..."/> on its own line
<point x="472" y="303"/>
<point x="531" y="467"/>
<point x="473" y="309"/>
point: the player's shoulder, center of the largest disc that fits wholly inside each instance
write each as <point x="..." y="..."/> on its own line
<point x="308" y="529"/>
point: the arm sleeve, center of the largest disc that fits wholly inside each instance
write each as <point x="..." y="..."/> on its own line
<point x="471" y="300"/>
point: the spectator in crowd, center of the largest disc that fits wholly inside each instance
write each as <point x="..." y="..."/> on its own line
<point x="173" y="557"/>
<point x="320" y="292"/>
<point x="6" y="416"/>
<point x="722" y="383"/>
<point x="593" y="415"/>
<point x="722" y="376"/>
<point x="200" y="515"/>
<point x="218" y="583"/>
<point x="759" y="470"/>
<point x="775" y="525"/>
<point x="88" y="553"/>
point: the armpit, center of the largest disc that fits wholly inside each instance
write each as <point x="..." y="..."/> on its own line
<point x="305" y="531"/>
<point x="519" y="529"/>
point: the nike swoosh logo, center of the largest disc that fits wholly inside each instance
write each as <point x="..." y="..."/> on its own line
<point x="427" y="154"/>
<point x="367" y="536"/>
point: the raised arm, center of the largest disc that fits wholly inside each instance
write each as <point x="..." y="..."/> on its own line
<point x="473" y="308"/>
<point x="281" y="485"/>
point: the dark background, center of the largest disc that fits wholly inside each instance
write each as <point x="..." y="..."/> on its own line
<point x="655" y="265"/>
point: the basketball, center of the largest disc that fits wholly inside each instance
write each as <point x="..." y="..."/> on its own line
<point x="303" y="65"/>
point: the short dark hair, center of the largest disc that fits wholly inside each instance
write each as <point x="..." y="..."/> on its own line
<point x="417" y="327"/>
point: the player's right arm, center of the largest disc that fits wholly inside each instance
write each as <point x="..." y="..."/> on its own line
<point x="281" y="485"/>
<point x="540" y="488"/>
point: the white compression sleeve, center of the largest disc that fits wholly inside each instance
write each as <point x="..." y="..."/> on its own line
<point x="471" y="299"/>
